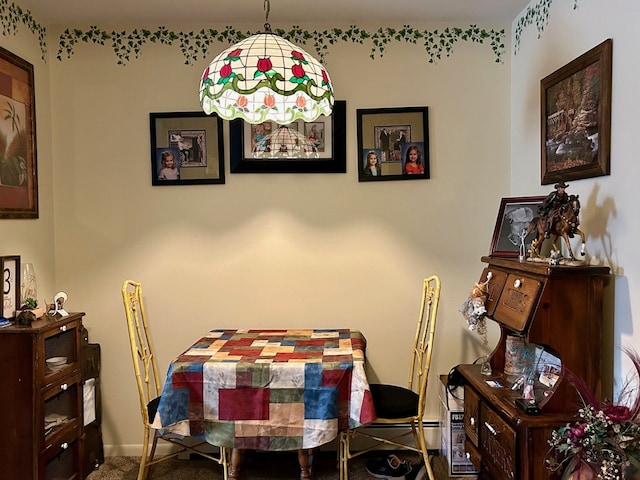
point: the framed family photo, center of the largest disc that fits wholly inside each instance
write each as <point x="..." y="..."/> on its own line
<point x="510" y="232"/>
<point x="186" y="149"/>
<point x="393" y="144"/>
<point x="18" y="165"/>
<point x="299" y="147"/>
<point x="576" y="118"/>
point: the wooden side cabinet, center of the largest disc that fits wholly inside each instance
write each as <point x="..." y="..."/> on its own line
<point x="41" y="403"/>
<point x="560" y="308"/>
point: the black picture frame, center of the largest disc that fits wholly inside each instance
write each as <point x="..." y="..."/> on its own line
<point x="11" y="287"/>
<point x="575" y="120"/>
<point x="391" y="134"/>
<point x="195" y="141"/>
<point x="514" y="214"/>
<point x="333" y="160"/>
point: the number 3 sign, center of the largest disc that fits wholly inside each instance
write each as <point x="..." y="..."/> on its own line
<point x="10" y="268"/>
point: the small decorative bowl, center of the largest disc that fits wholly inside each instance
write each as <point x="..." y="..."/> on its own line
<point x="56" y="361"/>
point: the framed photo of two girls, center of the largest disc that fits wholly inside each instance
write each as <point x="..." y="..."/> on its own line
<point x="393" y="144"/>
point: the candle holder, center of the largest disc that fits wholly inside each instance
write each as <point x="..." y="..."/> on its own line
<point x="29" y="284"/>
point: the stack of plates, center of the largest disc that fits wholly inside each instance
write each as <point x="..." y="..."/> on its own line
<point x="56" y="363"/>
<point x="53" y="421"/>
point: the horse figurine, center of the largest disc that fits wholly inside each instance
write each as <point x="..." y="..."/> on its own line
<point x="565" y="225"/>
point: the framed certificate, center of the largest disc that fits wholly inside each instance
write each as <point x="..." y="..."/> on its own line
<point x="10" y="268"/>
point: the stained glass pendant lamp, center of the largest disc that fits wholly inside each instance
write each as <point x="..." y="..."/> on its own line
<point x="266" y="78"/>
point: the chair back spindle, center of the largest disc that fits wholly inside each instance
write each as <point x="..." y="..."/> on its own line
<point x="149" y="386"/>
<point x="142" y="350"/>
<point x="400" y="406"/>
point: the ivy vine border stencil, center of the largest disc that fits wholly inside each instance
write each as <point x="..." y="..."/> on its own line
<point x="538" y="14"/>
<point x="128" y="45"/>
<point x="11" y="15"/>
<point x="194" y="45"/>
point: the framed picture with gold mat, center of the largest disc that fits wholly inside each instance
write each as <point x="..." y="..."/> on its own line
<point x="393" y="144"/>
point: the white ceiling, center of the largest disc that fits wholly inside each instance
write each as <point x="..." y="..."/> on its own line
<point x="283" y="14"/>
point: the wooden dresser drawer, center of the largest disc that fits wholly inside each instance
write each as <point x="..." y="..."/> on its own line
<point x="517" y="301"/>
<point x="497" y="443"/>
<point x="473" y="454"/>
<point x="471" y="414"/>
<point x="495" y="283"/>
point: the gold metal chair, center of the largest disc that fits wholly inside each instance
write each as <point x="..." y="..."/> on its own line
<point x="403" y="407"/>
<point x="150" y="388"/>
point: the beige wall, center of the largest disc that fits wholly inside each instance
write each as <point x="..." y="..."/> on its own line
<point x="34" y="239"/>
<point x="610" y="203"/>
<point x="319" y="250"/>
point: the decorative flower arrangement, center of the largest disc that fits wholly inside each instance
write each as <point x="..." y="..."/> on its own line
<point x="605" y="442"/>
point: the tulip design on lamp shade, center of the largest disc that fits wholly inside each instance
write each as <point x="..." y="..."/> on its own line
<point x="265" y="77"/>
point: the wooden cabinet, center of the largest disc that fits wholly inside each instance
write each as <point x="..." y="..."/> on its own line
<point x="559" y="307"/>
<point x="41" y="403"/>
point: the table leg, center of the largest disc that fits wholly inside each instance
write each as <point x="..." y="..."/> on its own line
<point x="236" y="462"/>
<point x="305" y="459"/>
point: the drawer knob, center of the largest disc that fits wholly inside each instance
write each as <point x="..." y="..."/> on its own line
<point x="64" y="446"/>
<point x="489" y="275"/>
<point x="517" y="283"/>
<point x="490" y="428"/>
<point x="64" y="386"/>
<point x="468" y="455"/>
<point x="63" y="328"/>
<point x="472" y="421"/>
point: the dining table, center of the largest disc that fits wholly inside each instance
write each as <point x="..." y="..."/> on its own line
<point x="268" y="390"/>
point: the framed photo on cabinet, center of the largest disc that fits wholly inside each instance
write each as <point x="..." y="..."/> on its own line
<point x="510" y="232"/>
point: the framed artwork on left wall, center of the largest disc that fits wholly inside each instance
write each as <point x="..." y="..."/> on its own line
<point x="18" y="165"/>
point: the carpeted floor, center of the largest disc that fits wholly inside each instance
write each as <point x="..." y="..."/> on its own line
<point x="256" y="466"/>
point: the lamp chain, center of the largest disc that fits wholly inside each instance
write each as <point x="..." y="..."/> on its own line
<point x="267" y="8"/>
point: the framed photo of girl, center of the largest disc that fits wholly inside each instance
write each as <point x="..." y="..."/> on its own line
<point x="393" y="144"/>
<point x="576" y="118"/>
<point x="299" y="147"/>
<point x="186" y="148"/>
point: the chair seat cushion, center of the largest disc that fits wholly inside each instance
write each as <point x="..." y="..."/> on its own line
<point x="152" y="408"/>
<point x="391" y="401"/>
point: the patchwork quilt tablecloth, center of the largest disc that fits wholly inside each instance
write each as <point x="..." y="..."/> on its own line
<point x="268" y="389"/>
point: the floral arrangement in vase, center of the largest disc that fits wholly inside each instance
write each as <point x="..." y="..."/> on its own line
<point x="604" y="443"/>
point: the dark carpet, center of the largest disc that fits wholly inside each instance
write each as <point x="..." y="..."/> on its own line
<point x="256" y="466"/>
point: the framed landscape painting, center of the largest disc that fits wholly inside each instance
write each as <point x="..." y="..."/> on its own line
<point x="576" y="118"/>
